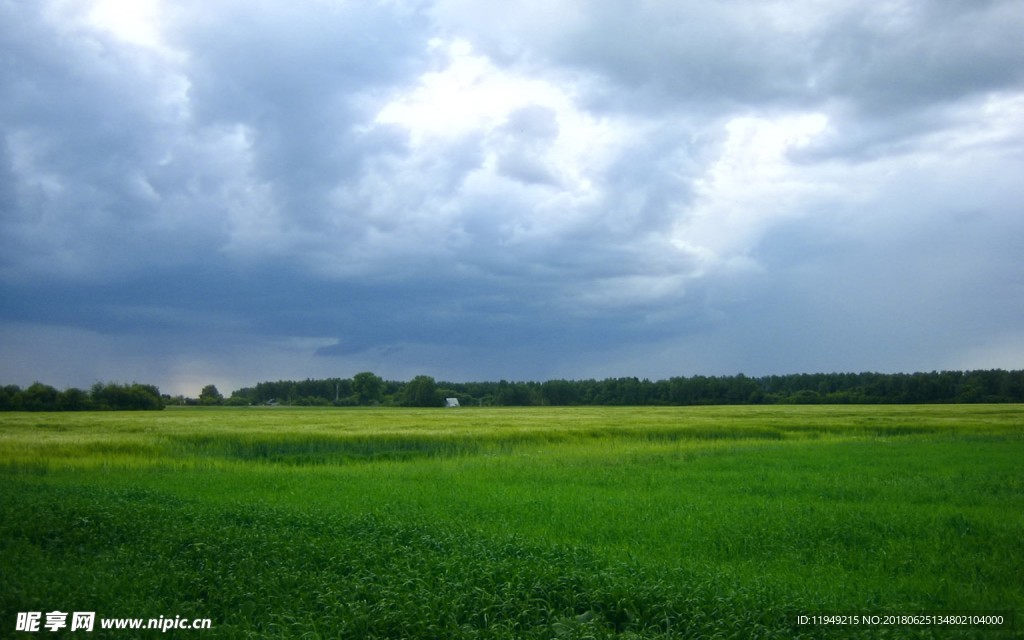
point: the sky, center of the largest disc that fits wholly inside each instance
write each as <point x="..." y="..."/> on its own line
<point x="197" y="192"/>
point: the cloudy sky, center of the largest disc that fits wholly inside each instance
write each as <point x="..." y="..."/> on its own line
<point x="197" y="191"/>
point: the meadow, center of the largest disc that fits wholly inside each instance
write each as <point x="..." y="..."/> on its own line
<point x="571" y="522"/>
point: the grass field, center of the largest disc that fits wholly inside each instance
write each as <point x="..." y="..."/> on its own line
<point x="702" y="522"/>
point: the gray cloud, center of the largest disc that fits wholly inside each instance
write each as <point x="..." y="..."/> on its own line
<point x="917" y="54"/>
<point x="525" y="137"/>
<point x="508" y="190"/>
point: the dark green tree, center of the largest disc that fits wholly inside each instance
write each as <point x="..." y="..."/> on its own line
<point x="10" y="398"/>
<point x="559" y="392"/>
<point x="367" y="388"/>
<point x="73" y="400"/>
<point x="209" y="395"/>
<point x="123" y="397"/>
<point x="39" y="397"/>
<point x="144" y="397"/>
<point x="421" y="391"/>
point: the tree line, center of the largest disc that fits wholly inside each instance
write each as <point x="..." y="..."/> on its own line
<point x="369" y="389"/>
<point x="100" y="397"/>
<point x="366" y="388"/>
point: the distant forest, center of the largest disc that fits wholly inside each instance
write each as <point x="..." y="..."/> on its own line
<point x="101" y="397"/>
<point x="366" y="388"/>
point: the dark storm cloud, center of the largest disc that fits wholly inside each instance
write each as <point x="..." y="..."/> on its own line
<point x="250" y="191"/>
<point x="920" y="54"/>
<point x="84" y="127"/>
<point x="300" y="80"/>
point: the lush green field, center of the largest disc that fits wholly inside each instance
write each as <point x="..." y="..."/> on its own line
<point x="517" y="523"/>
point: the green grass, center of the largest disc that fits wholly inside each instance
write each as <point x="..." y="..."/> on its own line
<point x="517" y="523"/>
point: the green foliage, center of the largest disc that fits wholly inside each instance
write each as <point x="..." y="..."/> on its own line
<point x="367" y="388"/>
<point x="210" y="395"/>
<point x="422" y="391"/>
<point x="135" y="397"/>
<point x="73" y="400"/>
<point x="102" y="397"/>
<point x="826" y="388"/>
<point x="39" y="397"/>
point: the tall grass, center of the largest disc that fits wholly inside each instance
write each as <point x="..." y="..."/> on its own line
<point x="573" y="522"/>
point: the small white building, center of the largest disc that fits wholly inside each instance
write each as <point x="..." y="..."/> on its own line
<point x="451" y="402"/>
